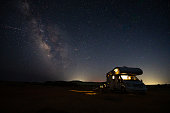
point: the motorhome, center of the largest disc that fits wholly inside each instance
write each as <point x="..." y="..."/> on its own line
<point x="125" y="79"/>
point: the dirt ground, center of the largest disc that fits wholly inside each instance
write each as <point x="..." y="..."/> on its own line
<point x="55" y="99"/>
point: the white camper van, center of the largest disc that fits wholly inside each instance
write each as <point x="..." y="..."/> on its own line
<point x="125" y="79"/>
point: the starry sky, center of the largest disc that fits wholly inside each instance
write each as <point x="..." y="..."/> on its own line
<point x="43" y="40"/>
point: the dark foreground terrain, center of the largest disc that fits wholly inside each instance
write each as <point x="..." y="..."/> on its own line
<point x="59" y="99"/>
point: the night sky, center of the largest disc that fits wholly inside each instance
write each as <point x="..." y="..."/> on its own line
<point x="42" y="40"/>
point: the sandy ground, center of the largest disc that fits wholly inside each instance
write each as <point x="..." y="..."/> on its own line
<point x="54" y="99"/>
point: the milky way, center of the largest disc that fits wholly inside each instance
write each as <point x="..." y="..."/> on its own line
<point x="49" y="41"/>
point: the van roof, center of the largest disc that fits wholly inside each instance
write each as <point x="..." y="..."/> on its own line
<point x="128" y="70"/>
